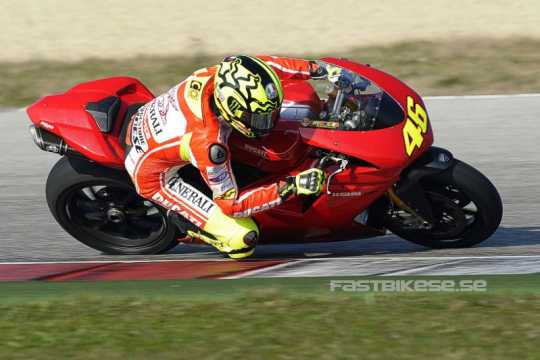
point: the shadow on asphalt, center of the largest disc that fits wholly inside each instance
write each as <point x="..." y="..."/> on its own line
<point x="514" y="236"/>
<point x="506" y="241"/>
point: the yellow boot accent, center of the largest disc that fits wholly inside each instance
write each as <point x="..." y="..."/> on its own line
<point x="207" y="238"/>
<point x="243" y="255"/>
<point x="227" y="233"/>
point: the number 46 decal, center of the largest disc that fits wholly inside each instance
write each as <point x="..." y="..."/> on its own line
<point x="415" y="126"/>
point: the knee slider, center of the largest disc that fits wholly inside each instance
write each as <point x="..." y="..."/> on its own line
<point x="251" y="238"/>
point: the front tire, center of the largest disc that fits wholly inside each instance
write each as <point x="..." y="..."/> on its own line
<point x="467" y="207"/>
<point x="99" y="207"/>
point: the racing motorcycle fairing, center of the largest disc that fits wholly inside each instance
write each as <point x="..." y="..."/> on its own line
<point x="80" y="115"/>
<point x="386" y="147"/>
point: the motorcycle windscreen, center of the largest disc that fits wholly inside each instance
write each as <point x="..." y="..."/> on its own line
<point x="366" y="106"/>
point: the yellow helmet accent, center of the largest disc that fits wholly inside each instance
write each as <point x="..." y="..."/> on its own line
<point x="248" y="94"/>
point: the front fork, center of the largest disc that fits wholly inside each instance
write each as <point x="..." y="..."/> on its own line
<point x="396" y="200"/>
<point x="409" y="195"/>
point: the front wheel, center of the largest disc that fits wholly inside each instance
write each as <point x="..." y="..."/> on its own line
<point x="99" y="207"/>
<point x="466" y="206"/>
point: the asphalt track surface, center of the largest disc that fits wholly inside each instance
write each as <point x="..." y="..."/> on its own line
<point x="497" y="134"/>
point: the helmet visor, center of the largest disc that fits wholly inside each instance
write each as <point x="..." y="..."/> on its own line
<point x="260" y="122"/>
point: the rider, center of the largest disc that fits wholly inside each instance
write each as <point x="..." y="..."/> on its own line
<point x="190" y="124"/>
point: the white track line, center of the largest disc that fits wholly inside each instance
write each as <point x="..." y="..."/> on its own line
<point x="264" y="269"/>
<point x="421" y="268"/>
<point x="397" y="266"/>
<point x="443" y="260"/>
<point x="448" y="257"/>
<point x="401" y="258"/>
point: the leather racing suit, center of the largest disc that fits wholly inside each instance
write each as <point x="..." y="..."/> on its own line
<point x="182" y="127"/>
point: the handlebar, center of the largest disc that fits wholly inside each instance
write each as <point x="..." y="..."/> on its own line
<point x="323" y="162"/>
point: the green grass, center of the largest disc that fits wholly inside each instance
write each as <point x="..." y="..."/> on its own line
<point x="266" y="319"/>
<point x="461" y="66"/>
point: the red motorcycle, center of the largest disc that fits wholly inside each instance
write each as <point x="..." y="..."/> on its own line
<point x="369" y="131"/>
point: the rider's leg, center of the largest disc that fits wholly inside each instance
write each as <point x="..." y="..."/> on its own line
<point x="236" y="237"/>
<point x="188" y="197"/>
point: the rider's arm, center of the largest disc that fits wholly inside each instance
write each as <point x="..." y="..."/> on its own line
<point x="217" y="172"/>
<point x="300" y="69"/>
<point x="250" y="201"/>
<point x="290" y="68"/>
<point x="220" y="178"/>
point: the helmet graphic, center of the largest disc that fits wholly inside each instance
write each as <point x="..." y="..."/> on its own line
<point x="248" y="94"/>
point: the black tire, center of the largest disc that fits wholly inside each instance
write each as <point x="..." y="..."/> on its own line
<point x="469" y="186"/>
<point x="141" y="234"/>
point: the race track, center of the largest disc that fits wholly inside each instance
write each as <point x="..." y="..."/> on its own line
<point x="497" y="134"/>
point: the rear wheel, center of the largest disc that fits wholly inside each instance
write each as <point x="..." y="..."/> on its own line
<point x="466" y="206"/>
<point x="100" y="208"/>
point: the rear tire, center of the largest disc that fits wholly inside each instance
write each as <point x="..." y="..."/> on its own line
<point x="117" y="221"/>
<point x="457" y="187"/>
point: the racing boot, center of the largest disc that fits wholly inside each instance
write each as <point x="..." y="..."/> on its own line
<point x="235" y="237"/>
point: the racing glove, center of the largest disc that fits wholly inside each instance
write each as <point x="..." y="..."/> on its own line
<point x="321" y="70"/>
<point x="308" y="182"/>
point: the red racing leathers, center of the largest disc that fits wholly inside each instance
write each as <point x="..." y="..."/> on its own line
<point x="181" y="127"/>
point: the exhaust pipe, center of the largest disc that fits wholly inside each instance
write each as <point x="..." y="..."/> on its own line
<point x="47" y="141"/>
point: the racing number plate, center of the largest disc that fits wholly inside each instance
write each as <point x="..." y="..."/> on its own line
<point x="415" y="127"/>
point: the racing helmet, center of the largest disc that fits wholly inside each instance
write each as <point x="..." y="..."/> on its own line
<point x="248" y="94"/>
